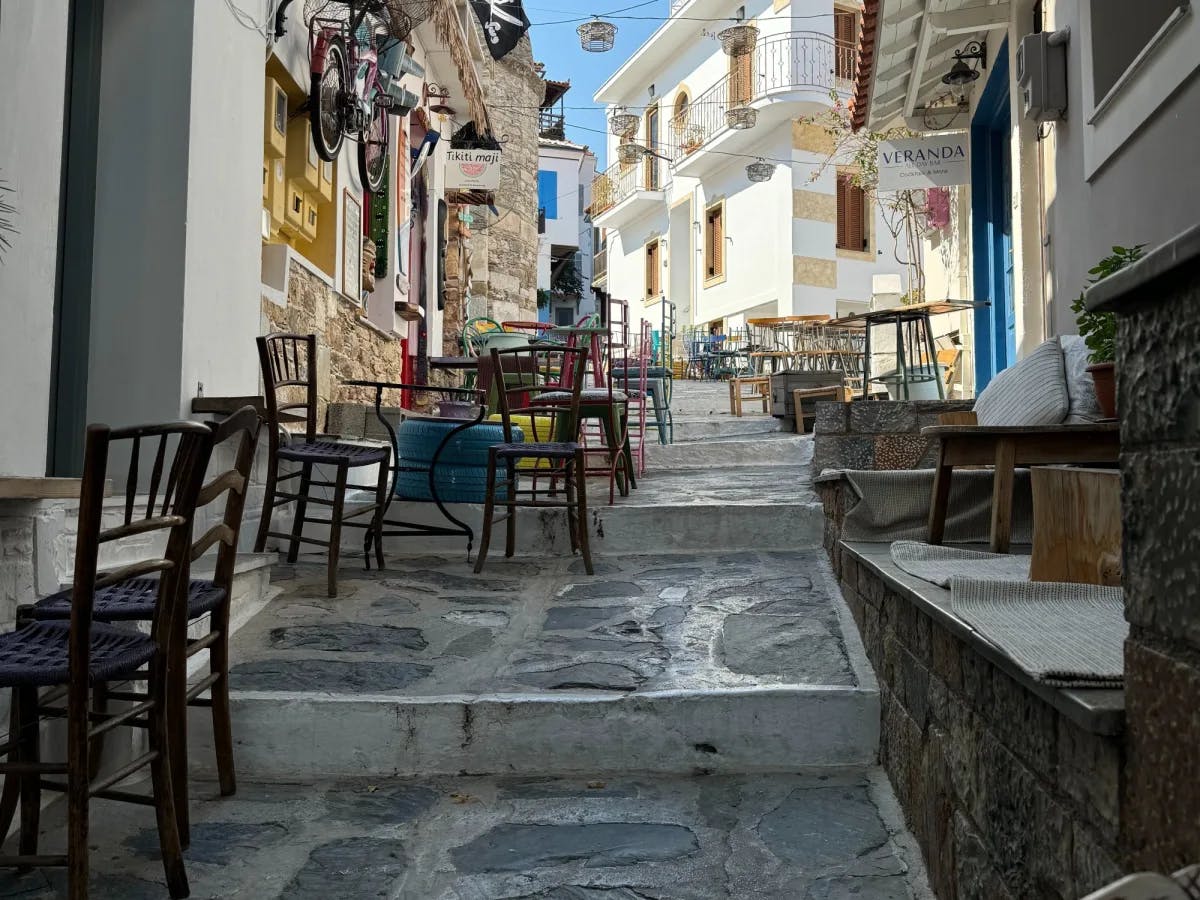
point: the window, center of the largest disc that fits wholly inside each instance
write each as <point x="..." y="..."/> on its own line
<point x="680" y="114"/>
<point x="851" y="215"/>
<point x="714" y="242"/>
<point x="741" y="79"/>
<point x="1134" y="57"/>
<point x="653" y="269"/>
<point x="845" y="38"/>
<point x="651" y="162"/>
<point x="564" y="315"/>
<point x="548" y="192"/>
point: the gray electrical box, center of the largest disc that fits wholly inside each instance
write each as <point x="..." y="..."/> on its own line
<point x="1042" y="75"/>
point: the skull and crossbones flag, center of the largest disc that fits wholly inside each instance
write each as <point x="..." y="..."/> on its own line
<point x="503" y="21"/>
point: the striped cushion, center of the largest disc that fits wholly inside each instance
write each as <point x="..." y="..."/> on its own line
<point x="1033" y="392"/>
<point x="1081" y="388"/>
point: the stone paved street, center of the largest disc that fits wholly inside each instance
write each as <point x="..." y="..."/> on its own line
<point x="800" y="837"/>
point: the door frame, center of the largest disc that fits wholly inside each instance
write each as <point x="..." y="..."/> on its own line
<point x="991" y="225"/>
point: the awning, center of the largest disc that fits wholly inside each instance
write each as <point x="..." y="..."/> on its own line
<point x="905" y="48"/>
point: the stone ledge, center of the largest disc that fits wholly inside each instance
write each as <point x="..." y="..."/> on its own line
<point x="1098" y="711"/>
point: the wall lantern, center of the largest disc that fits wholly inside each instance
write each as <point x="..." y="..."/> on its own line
<point x="739" y="118"/>
<point x="737" y="40"/>
<point x="760" y="170"/>
<point x="622" y="122"/>
<point x="439" y="99"/>
<point x="961" y="74"/>
<point x="597" y="36"/>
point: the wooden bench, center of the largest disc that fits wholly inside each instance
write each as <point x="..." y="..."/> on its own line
<point x="1005" y="448"/>
<point x="760" y="390"/>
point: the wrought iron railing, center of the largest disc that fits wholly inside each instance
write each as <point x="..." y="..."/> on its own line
<point x="786" y="62"/>
<point x="621" y="180"/>
<point x="552" y="125"/>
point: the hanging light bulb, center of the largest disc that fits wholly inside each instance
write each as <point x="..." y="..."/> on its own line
<point x="623" y="122"/>
<point x="760" y="170"/>
<point x="597" y="36"/>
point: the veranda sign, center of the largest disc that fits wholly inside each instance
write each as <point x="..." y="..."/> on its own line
<point x="939" y="160"/>
<point x="473" y="170"/>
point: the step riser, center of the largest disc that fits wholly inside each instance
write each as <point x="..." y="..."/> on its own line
<point x="284" y="737"/>
<point x="718" y="454"/>
<point x="724" y="426"/>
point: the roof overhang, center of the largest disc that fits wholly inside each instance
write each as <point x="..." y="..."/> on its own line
<point x="905" y="48"/>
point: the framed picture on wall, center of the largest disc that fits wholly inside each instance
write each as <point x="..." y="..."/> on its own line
<point x="352" y="246"/>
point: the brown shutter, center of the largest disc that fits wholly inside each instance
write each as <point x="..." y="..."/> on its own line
<point x="741" y="79"/>
<point x="652" y="269"/>
<point x="845" y="40"/>
<point x="843" y="212"/>
<point x="856" y="201"/>
<point x="714" y="243"/>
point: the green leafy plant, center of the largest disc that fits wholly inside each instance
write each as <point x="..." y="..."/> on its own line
<point x="568" y="281"/>
<point x="1099" y="329"/>
<point x="543" y="298"/>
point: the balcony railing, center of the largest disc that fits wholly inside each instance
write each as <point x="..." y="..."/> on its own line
<point x="620" y="181"/>
<point x="788" y="62"/>
<point x="600" y="265"/>
<point x="552" y="125"/>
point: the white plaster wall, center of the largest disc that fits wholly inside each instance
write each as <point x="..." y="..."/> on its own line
<point x="33" y="44"/>
<point x="222" y="266"/>
<point x="627" y="262"/>
<point x="563" y="230"/>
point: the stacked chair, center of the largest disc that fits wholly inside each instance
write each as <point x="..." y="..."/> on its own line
<point x="69" y="651"/>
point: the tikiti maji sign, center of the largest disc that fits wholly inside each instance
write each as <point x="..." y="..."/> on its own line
<point x="473" y="170"/>
<point x="937" y="160"/>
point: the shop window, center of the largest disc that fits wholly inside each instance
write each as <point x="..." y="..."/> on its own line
<point x="714" y="242"/>
<point x="851" y="214"/>
<point x="653" y="269"/>
<point x="548" y="192"/>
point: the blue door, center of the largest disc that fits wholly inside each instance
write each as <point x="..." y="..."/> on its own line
<point x="991" y="226"/>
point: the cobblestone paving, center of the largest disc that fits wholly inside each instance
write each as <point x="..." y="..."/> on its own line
<point x="830" y="837"/>
<point x="428" y="626"/>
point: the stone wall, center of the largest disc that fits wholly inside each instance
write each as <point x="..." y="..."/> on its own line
<point x="348" y="345"/>
<point x="1006" y="795"/>
<point x="878" y="434"/>
<point x="513" y="90"/>
<point x="1158" y="369"/>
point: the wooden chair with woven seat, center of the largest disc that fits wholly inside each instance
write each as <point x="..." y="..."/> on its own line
<point x="289" y="361"/>
<point x="135" y="601"/>
<point x="71" y="657"/>
<point x="539" y="382"/>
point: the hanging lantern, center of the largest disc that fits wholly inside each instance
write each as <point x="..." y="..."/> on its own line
<point x="760" y="170"/>
<point x="623" y="122"/>
<point x="597" y="36"/>
<point x="739" y="118"/>
<point x="630" y="153"/>
<point x="738" y="39"/>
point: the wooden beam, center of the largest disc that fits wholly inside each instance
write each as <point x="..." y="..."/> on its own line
<point x="905" y="14"/>
<point x="969" y="21"/>
<point x="924" y="40"/>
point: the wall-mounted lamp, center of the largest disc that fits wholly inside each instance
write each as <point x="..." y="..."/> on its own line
<point x="439" y="99"/>
<point x="961" y="73"/>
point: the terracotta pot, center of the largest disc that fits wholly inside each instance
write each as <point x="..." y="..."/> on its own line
<point x="1105" y="377"/>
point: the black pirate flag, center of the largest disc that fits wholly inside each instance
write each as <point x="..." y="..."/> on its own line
<point x="503" y="21"/>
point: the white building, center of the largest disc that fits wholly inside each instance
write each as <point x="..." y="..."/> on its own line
<point x="688" y="225"/>
<point x="565" y="242"/>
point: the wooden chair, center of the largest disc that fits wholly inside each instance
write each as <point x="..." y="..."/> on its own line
<point x="530" y="383"/>
<point x="805" y="399"/>
<point x="760" y="390"/>
<point x="136" y="600"/>
<point x="1005" y="448"/>
<point x="74" y="656"/>
<point x="289" y="361"/>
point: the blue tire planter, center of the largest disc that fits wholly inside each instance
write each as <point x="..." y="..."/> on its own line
<point x="461" y="474"/>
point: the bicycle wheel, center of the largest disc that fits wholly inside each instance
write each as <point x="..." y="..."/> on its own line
<point x="372" y="151"/>
<point x="325" y="102"/>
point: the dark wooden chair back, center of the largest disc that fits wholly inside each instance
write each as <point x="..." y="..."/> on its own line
<point x="288" y="362"/>
<point x="240" y="432"/>
<point x="151" y="506"/>
<point x="544" y="381"/>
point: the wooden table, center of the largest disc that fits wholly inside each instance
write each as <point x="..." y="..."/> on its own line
<point x="914" y="351"/>
<point x="1006" y="448"/>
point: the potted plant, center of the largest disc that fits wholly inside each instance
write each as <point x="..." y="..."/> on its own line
<point x="1099" y="330"/>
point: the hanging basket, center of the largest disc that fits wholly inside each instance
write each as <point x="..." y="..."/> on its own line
<point x="738" y="39"/>
<point x="739" y="118"/>
<point x="760" y="171"/>
<point x="629" y="154"/>
<point x="622" y="122"/>
<point x="597" y="36"/>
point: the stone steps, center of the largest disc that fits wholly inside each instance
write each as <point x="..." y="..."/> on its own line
<point x="670" y="664"/>
<point x="704" y="428"/>
<point x="768" y="449"/>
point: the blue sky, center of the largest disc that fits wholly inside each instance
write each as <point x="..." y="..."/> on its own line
<point x="557" y="45"/>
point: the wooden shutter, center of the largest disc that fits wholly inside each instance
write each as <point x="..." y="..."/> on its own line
<point x="714" y="243"/>
<point x="843" y="182"/>
<point x="741" y="79"/>
<point x="845" y="42"/>
<point x="856" y="230"/>
<point x="651" y="162"/>
<point x="653" y="270"/>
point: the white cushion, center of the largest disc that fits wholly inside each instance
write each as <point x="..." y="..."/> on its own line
<point x="1033" y="392"/>
<point x="1081" y="388"/>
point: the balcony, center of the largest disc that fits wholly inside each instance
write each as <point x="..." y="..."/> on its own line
<point x="552" y="125"/>
<point x="624" y="192"/>
<point x="600" y="267"/>
<point x="797" y="68"/>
